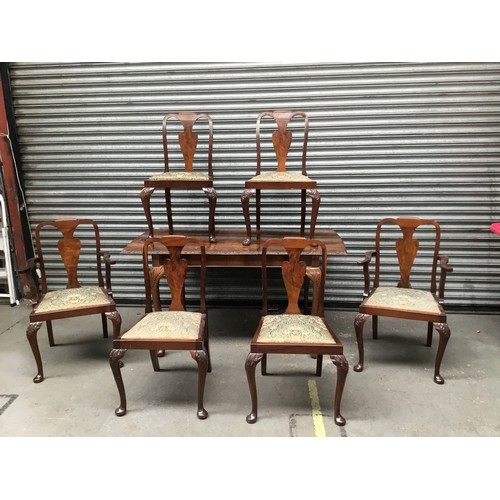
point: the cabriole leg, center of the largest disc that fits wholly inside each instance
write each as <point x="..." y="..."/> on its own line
<point x="245" y="205"/>
<point x="250" y="365"/>
<point x="201" y="358"/>
<point x="31" y="332"/>
<point x="315" y="198"/>
<point x="342" y="368"/>
<point x="359" y="322"/>
<point x="116" y="319"/>
<point x="115" y="362"/>
<point x="444" y="336"/>
<point x="146" y="205"/>
<point x="212" y="201"/>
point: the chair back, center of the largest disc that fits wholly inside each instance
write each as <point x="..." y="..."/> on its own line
<point x="69" y="248"/>
<point x="188" y="139"/>
<point x="293" y="271"/>
<point x="173" y="268"/>
<point x="282" y="137"/>
<point x="407" y="248"/>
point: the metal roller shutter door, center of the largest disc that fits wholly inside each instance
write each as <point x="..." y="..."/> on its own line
<point x="386" y="139"/>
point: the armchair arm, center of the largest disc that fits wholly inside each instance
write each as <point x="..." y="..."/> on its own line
<point x="366" y="270"/>
<point x="445" y="268"/>
<point x="106" y="257"/>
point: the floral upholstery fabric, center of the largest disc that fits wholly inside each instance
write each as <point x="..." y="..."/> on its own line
<point x="180" y="176"/>
<point x="166" y="325"/>
<point x="294" y="328"/>
<point x="71" y="298"/>
<point x="403" y="298"/>
<point x="280" y="177"/>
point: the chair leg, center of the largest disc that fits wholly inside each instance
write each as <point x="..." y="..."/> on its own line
<point x="50" y="333"/>
<point x="302" y="212"/>
<point x="253" y="359"/>
<point x="319" y="365"/>
<point x="31" y="332"/>
<point x="115" y="362"/>
<point x="104" y="326"/>
<point x="359" y="322"/>
<point x="342" y="368"/>
<point x="168" y="205"/>
<point x="444" y="335"/>
<point x="207" y="348"/>
<point x="257" y="212"/>
<point x="245" y="205"/>
<point x="212" y="201"/>
<point x="429" y="334"/>
<point x="116" y="319"/>
<point x="154" y="359"/>
<point x="146" y="205"/>
<point x="263" y="366"/>
<point x="315" y="197"/>
<point x="201" y="358"/>
<point x="375" y="327"/>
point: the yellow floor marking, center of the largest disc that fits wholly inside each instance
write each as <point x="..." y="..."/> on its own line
<point x="319" y="428"/>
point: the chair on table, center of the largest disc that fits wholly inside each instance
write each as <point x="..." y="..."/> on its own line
<point x="293" y="332"/>
<point x="174" y="329"/>
<point x="183" y="179"/>
<point x="281" y="178"/>
<point x="75" y="300"/>
<point x="403" y="301"/>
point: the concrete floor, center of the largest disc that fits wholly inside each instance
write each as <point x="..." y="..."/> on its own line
<point x="394" y="396"/>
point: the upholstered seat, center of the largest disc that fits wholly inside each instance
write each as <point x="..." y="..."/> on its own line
<point x="70" y="298"/>
<point x="166" y="325"/>
<point x="281" y="177"/>
<point x="409" y="299"/>
<point x="181" y="175"/>
<point x="294" y="328"/>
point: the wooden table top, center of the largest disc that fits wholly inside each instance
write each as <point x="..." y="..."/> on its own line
<point x="229" y="249"/>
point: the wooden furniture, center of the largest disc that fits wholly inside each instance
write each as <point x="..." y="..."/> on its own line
<point x="229" y="252"/>
<point x="174" y="329"/>
<point x="403" y="301"/>
<point x="183" y="179"/>
<point x="294" y="332"/>
<point x="75" y="300"/>
<point x="281" y="179"/>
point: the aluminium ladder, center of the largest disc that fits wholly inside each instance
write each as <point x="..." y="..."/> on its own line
<point x="6" y="273"/>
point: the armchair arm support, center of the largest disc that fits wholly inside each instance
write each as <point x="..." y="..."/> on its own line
<point x="107" y="263"/>
<point x="445" y="268"/>
<point x="366" y="270"/>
